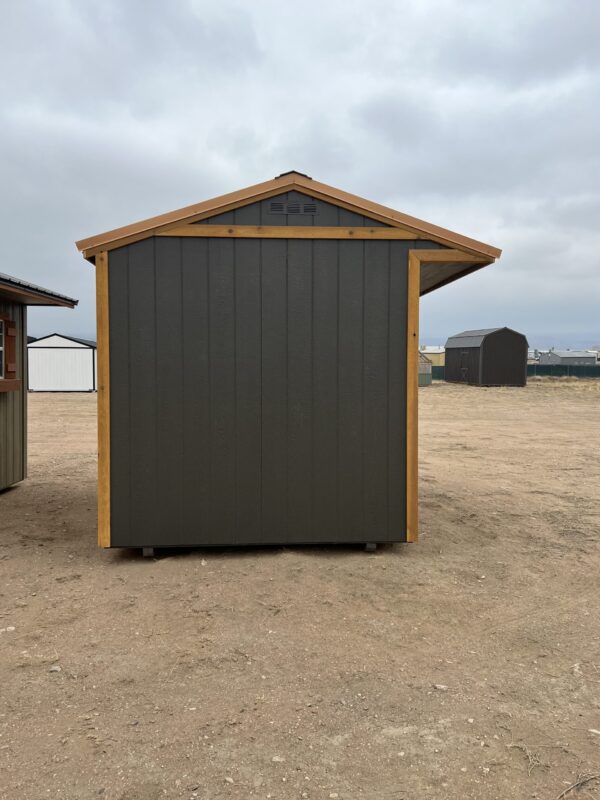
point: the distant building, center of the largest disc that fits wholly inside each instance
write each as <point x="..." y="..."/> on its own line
<point x="487" y="357"/>
<point x="15" y="296"/>
<point x="59" y="363"/>
<point x="437" y="355"/>
<point x="571" y="358"/>
<point x="425" y="374"/>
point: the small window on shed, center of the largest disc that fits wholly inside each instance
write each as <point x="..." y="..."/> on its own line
<point x="8" y="340"/>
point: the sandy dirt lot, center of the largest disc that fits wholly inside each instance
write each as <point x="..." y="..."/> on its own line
<point x="465" y="666"/>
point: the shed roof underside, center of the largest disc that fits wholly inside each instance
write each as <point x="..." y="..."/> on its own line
<point x="433" y="275"/>
<point x="17" y="291"/>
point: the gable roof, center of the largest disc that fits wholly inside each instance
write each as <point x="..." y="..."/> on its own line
<point x="84" y="342"/>
<point x="473" y="338"/>
<point x="287" y="181"/>
<point x="572" y="353"/>
<point x="31" y="295"/>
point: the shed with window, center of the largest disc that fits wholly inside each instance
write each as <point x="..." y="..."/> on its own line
<point x="15" y="296"/>
<point x="258" y="367"/>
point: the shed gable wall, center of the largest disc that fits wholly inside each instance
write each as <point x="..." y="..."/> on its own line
<point x="259" y="213"/>
<point x="258" y="391"/>
<point x="504" y="359"/>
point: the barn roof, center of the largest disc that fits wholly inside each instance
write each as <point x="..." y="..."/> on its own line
<point x="31" y="295"/>
<point x="471" y="338"/>
<point x="297" y="181"/>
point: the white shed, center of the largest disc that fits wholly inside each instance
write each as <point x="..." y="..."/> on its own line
<point x="59" y="363"/>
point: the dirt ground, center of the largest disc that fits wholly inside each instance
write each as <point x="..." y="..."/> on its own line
<point x="464" y="666"/>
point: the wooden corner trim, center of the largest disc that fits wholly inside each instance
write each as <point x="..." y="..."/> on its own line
<point x="103" y="367"/>
<point x="415" y="259"/>
<point x="412" y="396"/>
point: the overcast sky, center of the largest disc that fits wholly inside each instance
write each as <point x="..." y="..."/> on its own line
<point x="483" y="117"/>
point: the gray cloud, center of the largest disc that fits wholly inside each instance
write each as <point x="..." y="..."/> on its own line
<point x="476" y="115"/>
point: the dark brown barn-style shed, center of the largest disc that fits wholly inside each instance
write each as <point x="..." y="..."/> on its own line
<point x="258" y="367"/>
<point x="487" y="357"/>
<point x="15" y="296"/>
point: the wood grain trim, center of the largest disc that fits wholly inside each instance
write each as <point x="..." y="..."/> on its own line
<point x="389" y="216"/>
<point x="261" y="191"/>
<point x="412" y="397"/>
<point x="10" y="384"/>
<point x="199" y="211"/>
<point x="103" y="355"/>
<point x="447" y="256"/>
<point x="287" y="232"/>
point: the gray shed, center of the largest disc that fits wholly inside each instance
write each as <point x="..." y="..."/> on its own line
<point x="570" y="358"/>
<point x="487" y="357"/>
<point x="258" y="367"/>
<point x="15" y="296"/>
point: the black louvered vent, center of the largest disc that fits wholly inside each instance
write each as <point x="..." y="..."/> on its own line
<point x="293" y="207"/>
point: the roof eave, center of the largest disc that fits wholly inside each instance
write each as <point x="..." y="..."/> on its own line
<point x="29" y="297"/>
<point x="286" y="182"/>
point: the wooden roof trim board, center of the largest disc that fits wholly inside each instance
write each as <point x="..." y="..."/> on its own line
<point x="285" y="232"/>
<point x="293" y="181"/>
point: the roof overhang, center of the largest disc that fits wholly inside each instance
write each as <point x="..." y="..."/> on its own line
<point x="18" y="291"/>
<point x="476" y="254"/>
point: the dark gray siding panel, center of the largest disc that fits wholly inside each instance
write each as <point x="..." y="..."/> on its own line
<point x="325" y="421"/>
<point x="258" y="391"/>
<point x="259" y="214"/>
<point x="274" y="368"/>
<point x="120" y="394"/>
<point x="195" y="344"/>
<point x="222" y="399"/>
<point x="248" y="356"/>
<point x="299" y="389"/>
<point x="375" y="385"/>
<point x="396" y="366"/>
<point x="504" y="359"/>
<point x="350" y="382"/>
<point x="169" y="386"/>
<point x="13" y="408"/>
